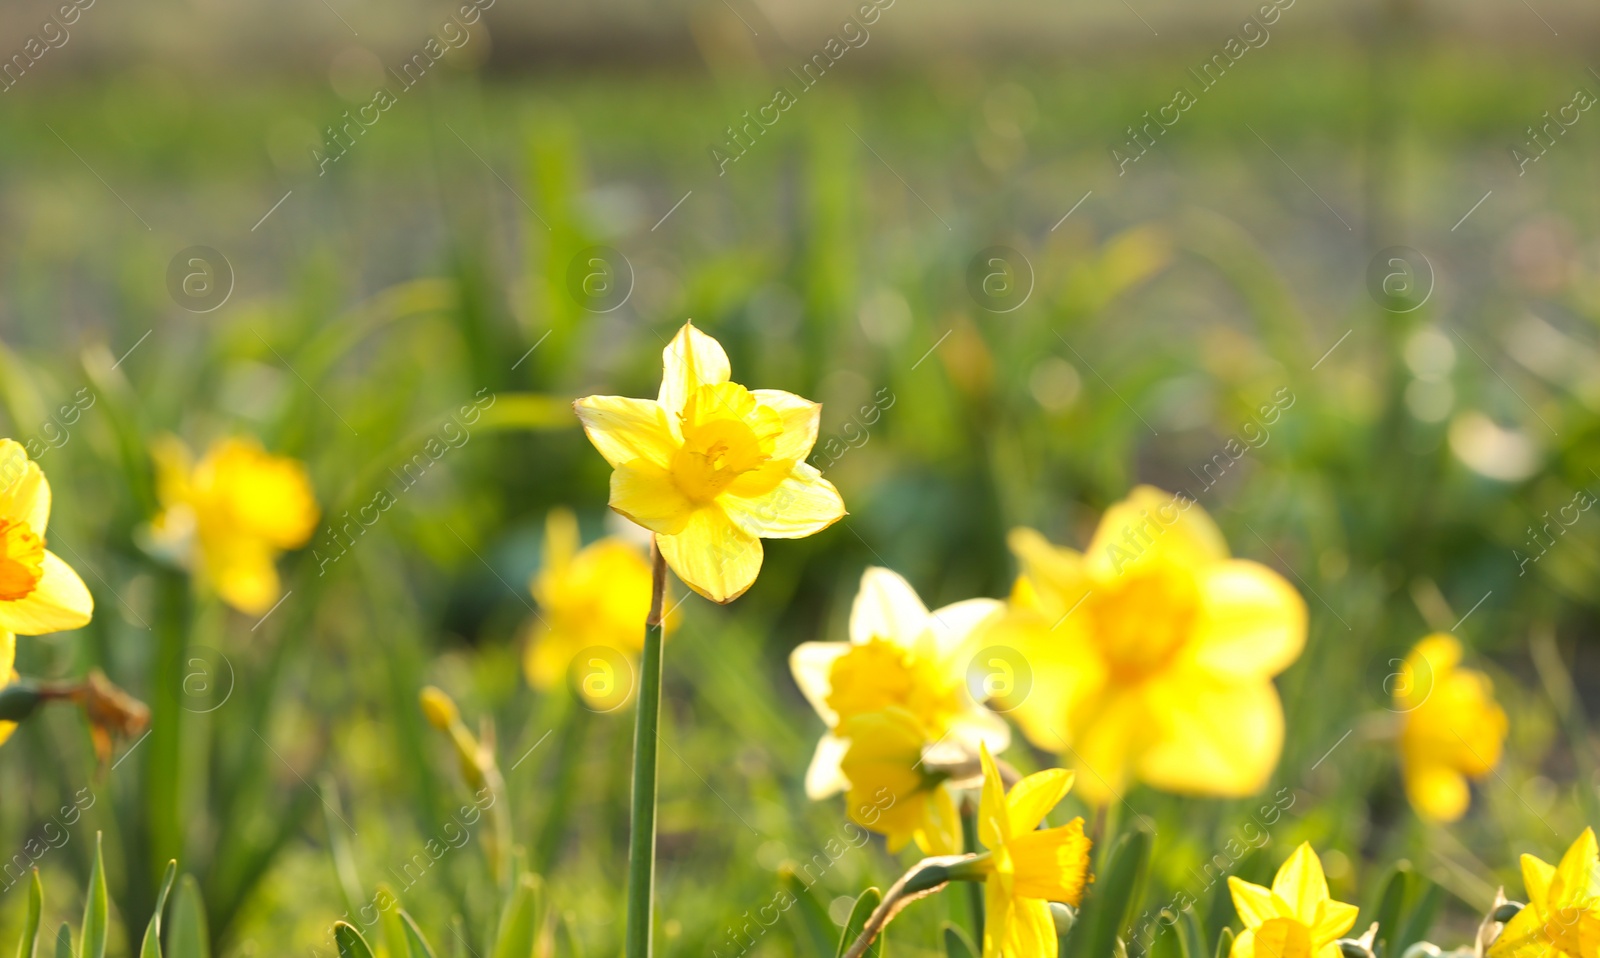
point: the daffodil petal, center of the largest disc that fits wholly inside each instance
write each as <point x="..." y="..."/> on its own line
<point x="24" y="491"/>
<point x="994" y="822"/>
<point x="811" y="663"/>
<point x="801" y="505"/>
<point x="800" y="417"/>
<point x="886" y="607"/>
<point x="1300" y="882"/>
<point x="1032" y="931"/>
<point x="1251" y="622"/>
<point x="1057" y="577"/>
<point x="1536" y="877"/>
<point x="1244" y="946"/>
<point x="1153" y="527"/>
<point x="977" y="726"/>
<point x="940" y="830"/>
<point x="560" y="542"/>
<point x="713" y="556"/>
<point x="1109" y="732"/>
<point x="824" y="776"/>
<point x="956" y="628"/>
<point x="1254" y="903"/>
<point x="1334" y="919"/>
<point x="690" y="361"/>
<point x="1213" y="738"/>
<point x="246" y="577"/>
<point x="59" y="602"/>
<point x="1032" y="798"/>
<point x="624" y="429"/>
<point x="645" y="493"/>
<point x="997" y="920"/>
<point x="1438" y="792"/>
<point x="1574" y="874"/>
<point x="1524" y="936"/>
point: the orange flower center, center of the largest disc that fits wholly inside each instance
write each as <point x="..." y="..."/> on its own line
<point x="1283" y="938"/>
<point x="1141" y="622"/>
<point x="21" y="560"/>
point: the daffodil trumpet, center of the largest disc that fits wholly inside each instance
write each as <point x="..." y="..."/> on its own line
<point x="646" y="738"/>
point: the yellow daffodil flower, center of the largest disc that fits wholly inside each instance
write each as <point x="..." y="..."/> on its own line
<point x="711" y="467"/>
<point x="1026" y="866"/>
<point x="1294" y="918"/>
<point x="1153" y="652"/>
<point x="39" y="593"/>
<point x="8" y="674"/>
<point x="1562" y="919"/>
<point x="900" y="655"/>
<point x="1452" y="730"/>
<point x="892" y="790"/>
<point x="595" y="596"/>
<point x="228" y="516"/>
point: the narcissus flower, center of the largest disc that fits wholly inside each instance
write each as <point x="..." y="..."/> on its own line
<point x="597" y="596"/>
<point x="893" y="791"/>
<point x="1452" y="730"/>
<point x="228" y="516"/>
<point x="711" y="467"/>
<point x="1027" y="867"/>
<point x="899" y="655"/>
<point x="1294" y="918"/>
<point x="39" y="593"/>
<point x="1562" y="919"/>
<point x="1153" y="652"/>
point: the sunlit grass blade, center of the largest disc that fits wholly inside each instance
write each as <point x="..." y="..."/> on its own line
<point x="1191" y="935"/>
<point x="344" y="862"/>
<point x="1224" y="944"/>
<point x="519" y="923"/>
<point x="189" y="936"/>
<point x="416" y="945"/>
<point x="811" y="914"/>
<point x="1419" y="918"/>
<point x="64" y="941"/>
<point x="349" y="941"/>
<point x="94" y="906"/>
<point x="865" y="905"/>
<point x="151" y="948"/>
<point x="1391" y="906"/>
<point x="30" y="930"/>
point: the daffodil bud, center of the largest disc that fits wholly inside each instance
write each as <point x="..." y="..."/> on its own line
<point x="19" y="700"/>
<point x="439" y="708"/>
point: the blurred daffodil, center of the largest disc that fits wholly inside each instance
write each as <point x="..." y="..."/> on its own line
<point x="711" y="467"/>
<point x="1026" y="867"/>
<point x="1295" y="918"/>
<point x="1153" y="652"/>
<point x="899" y="655"/>
<point x="1562" y="919"/>
<point x="8" y="674"/>
<point x="892" y="790"/>
<point x="228" y="516"/>
<point x="39" y="593"/>
<point x="1452" y="730"/>
<point x="596" y="596"/>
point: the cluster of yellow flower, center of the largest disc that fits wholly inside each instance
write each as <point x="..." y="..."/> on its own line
<point x="1150" y="657"/>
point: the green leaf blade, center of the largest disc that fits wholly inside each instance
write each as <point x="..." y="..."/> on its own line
<point x="95" y="906"/>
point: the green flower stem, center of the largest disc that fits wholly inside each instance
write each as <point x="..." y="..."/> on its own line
<point x="969" y="837"/>
<point x="925" y="878"/>
<point x="646" y="738"/>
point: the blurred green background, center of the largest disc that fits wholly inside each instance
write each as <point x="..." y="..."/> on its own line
<point x="1230" y="263"/>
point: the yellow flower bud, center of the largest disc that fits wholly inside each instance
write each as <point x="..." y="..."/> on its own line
<point x="440" y="708"/>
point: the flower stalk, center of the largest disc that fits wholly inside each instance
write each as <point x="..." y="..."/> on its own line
<point x="925" y="878"/>
<point x="646" y="739"/>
